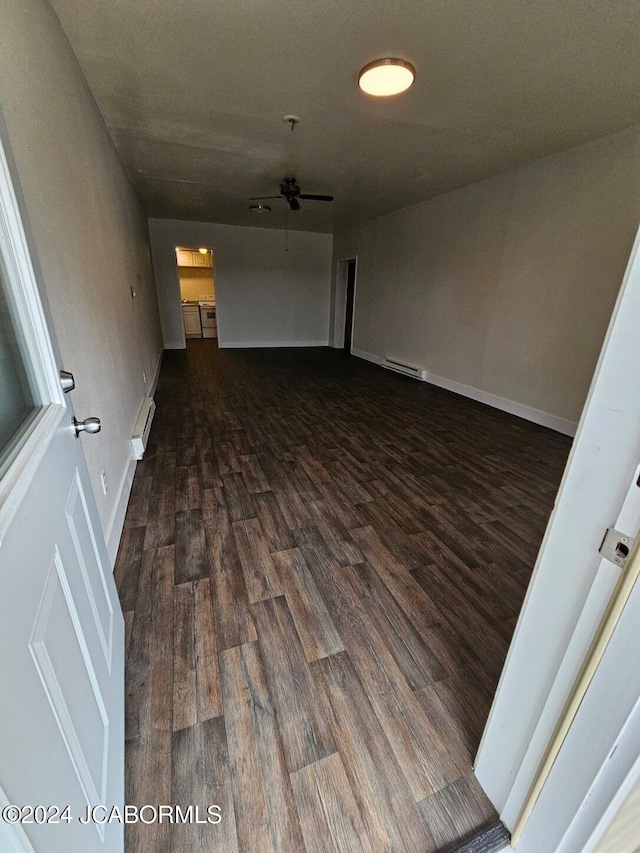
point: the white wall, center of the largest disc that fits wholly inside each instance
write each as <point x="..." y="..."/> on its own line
<point x="89" y="235"/>
<point x="505" y="286"/>
<point x="264" y="295"/>
<point x="196" y="282"/>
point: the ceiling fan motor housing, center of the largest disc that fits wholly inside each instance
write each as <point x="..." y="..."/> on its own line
<point x="289" y="187"/>
<point x="290" y="192"/>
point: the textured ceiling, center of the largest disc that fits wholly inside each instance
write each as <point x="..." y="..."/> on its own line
<point x="193" y="93"/>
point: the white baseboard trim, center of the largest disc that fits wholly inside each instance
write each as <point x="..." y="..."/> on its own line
<point x="260" y="344"/>
<point x="116" y="525"/>
<point x="528" y="413"/>
<point x="367" y="356"/>
<point x="174" y="345"/>
<point x="536" y="416"/>
<point x="114" y="530"/>
<point x="154" y="384"/>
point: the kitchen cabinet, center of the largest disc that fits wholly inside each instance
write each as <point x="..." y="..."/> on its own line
<point x="191" y="319"/>
<point x="193" y="258"/>
<point x="200" y="260"/>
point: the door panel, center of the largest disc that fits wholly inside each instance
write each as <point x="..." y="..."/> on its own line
<point x="607" y="721"/>
<point x="61" y="627"/>
<point x="88" y="556"/>
<point x="64" y="667"/>
<point x="62" y="733"/>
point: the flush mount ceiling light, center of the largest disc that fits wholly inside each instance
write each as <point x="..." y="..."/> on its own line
<point x="385" y="77"/>
<point x="260" y="208"/>
<point x="203" y="251"/>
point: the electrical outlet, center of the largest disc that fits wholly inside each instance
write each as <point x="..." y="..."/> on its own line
<point x="144" y="377"/>
<point x="105" y="484"/>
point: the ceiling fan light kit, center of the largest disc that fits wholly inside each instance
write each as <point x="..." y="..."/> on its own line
<point x="385" y="77"/>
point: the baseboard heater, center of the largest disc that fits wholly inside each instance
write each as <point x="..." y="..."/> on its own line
<point x="142" y="428"/>
<point x="404" y="368"/>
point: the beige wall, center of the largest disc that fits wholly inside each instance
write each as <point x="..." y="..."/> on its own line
<point x="89" y="234"/>
<point x="265" y="296"/>
<point x="506" y="285"/>
<point x="195" y="282"/>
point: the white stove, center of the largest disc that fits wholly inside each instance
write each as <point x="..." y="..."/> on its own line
<point x="208" y="318"/>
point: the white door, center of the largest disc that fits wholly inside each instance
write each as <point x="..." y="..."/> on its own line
<point x="599" y="761"/>
<point x="569" y="592"/>
<point x="61" y="627"/>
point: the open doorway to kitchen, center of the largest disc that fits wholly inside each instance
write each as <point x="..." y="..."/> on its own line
<point x="196" y="277"/>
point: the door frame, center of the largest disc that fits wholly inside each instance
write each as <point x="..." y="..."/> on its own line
<point x="599" y="756"/>
<point x="12" y="835"/>
<point x="177" y="288"/>
<point x="339" y="302"/>
<point x="560" y="617"/>
<point x="610" y="813"/>
<point x="31" y="447"/>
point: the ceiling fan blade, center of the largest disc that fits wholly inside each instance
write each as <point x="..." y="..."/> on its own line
<point x="263" y="197"/>
<point x="312" y="197"/>
<point x="294" y="204"/>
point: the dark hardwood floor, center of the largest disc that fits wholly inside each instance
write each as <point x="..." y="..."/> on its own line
<point x="321" y="570"/>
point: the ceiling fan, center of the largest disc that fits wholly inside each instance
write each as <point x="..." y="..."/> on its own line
<point x="290" y="191"/>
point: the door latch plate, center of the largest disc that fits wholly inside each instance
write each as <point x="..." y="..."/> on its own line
<point x="616" y="546"/>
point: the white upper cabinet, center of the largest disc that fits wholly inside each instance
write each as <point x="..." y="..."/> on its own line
<point x="194" y="258"/>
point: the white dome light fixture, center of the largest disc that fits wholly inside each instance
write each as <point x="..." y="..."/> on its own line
<point x="260" y="208"/>
<point x="385" y="77"/>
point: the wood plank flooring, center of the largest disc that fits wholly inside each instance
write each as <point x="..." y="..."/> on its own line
<point x="321" y="570"/>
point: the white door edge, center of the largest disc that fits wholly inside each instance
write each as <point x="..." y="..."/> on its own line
<point x="614" y="806"/>
<point x="14" y="249"/>
<point x="13" y="838"/>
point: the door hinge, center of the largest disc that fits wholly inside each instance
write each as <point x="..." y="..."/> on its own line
<point x="616" y="546"/>
<point x="67" y="381"/>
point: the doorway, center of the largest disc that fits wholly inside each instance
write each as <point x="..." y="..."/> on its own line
<point x="196" y="281"/>
<point x="343" y="313"/>
<point x="348" y="314"/>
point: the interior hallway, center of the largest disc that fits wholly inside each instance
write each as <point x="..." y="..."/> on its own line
<point x="321" y="571"/>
